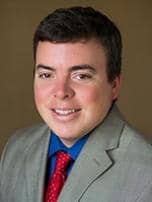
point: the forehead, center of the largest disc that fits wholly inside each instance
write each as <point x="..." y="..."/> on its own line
<point x="89" y="52"/>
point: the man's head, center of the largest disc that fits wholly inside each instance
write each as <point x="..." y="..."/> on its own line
<point x="77" y="73"/>
<point x="79" y="23"/>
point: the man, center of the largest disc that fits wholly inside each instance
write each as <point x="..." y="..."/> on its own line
<point x="77" y="54"/>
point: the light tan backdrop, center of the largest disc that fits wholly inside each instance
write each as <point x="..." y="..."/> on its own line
<point x="18" y="19"/>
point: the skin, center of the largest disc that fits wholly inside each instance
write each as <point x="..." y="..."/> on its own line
<point x="71" y="88"/>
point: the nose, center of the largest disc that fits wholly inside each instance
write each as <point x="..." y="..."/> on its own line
<point x="63" y="89"/>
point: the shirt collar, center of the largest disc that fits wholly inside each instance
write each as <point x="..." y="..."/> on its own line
<point x="56" y="145"/>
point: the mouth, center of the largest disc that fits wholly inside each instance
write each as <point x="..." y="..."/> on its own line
<point x="65" y="112"/>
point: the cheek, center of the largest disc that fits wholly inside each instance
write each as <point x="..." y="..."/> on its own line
<point x="90" y="95"/>
<point x="98" y="96"/>
<point x="40" y="93"/>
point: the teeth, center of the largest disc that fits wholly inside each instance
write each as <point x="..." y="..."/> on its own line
<point x="65" y="112"/>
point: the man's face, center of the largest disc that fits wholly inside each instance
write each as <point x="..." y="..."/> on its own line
<point x="72" y="91"/>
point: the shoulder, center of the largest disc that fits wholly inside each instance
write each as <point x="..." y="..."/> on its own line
<point x="134" y="156"/>
<point x="23" y="139"/>
<point x="136" y="147"/>
<point x="136" y="138"/>
<point x="28" y="135"/>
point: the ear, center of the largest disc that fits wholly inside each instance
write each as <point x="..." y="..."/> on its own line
<point x="116" y="84"/>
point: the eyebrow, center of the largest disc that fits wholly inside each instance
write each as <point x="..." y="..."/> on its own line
<point x="82" y="67"/>
<point x="71" y="69"/>
<point x="41" y="66"/>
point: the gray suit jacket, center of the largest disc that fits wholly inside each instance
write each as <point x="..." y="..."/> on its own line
<point x="115" y="165"/>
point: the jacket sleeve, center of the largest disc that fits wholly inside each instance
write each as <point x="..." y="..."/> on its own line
<point x="146" y="194"/>
<point x="2" y="174"/>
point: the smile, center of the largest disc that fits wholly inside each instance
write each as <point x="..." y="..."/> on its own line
<point x="65" y="112"/>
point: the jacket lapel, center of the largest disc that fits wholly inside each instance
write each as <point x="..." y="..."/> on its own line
<point x="85" y="171"/>
<point x="94" y="160"/>
<point x="35" y="166"/>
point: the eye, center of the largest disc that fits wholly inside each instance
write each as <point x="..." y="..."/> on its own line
<point x="45" y="75"/>
<point x="82" y="76"/>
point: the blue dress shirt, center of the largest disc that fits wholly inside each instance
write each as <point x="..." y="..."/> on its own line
<point x="56" y="145"/>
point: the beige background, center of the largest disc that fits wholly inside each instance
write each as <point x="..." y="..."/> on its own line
<point x="18" y="20"/>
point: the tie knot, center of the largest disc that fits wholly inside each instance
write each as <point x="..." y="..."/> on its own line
<point x="63" y="161"/>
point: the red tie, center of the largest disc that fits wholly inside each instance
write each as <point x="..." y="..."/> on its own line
<point x="58" y="178"/>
